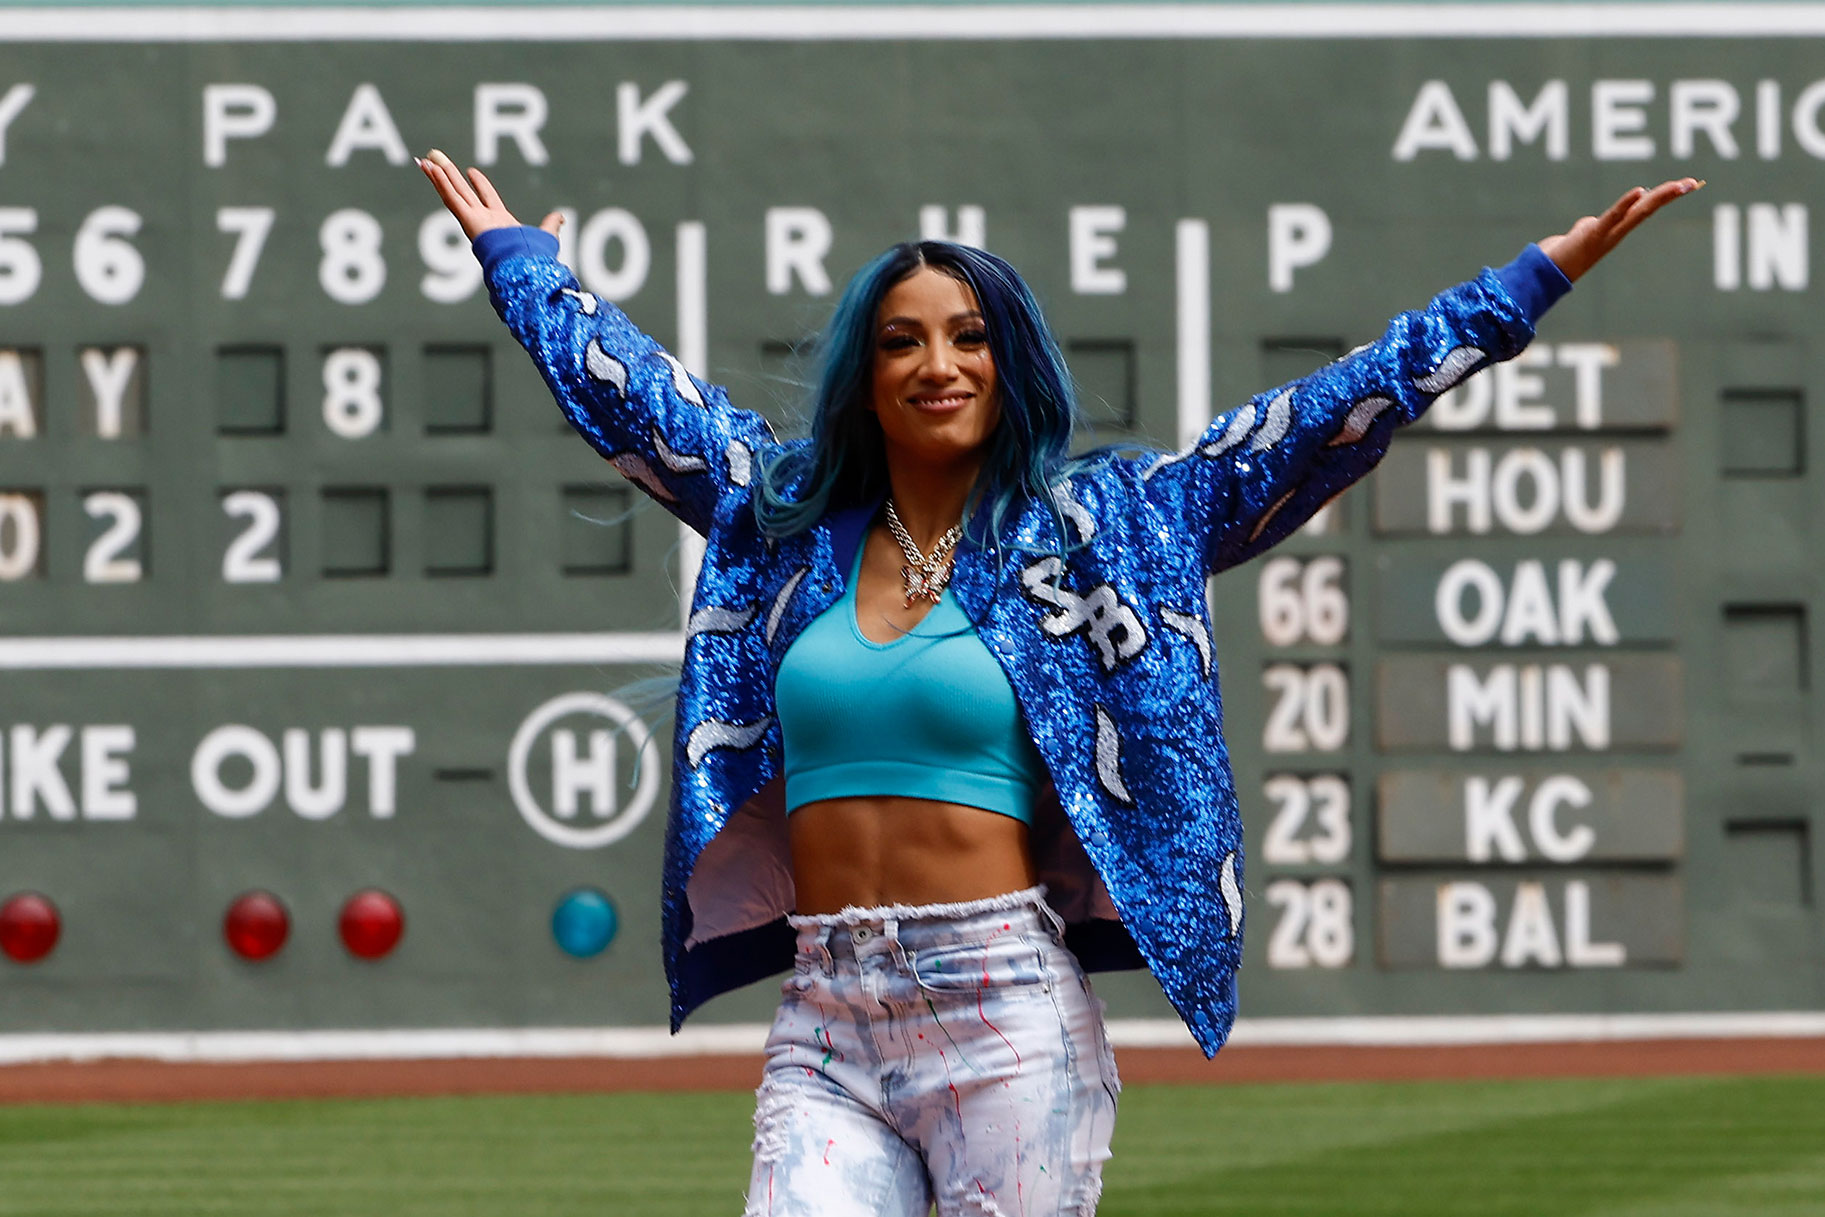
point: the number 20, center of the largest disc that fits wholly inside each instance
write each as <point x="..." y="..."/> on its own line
<point x="1311" y="711"/>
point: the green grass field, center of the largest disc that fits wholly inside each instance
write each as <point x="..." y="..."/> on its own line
<point x="1666" y="1147"/>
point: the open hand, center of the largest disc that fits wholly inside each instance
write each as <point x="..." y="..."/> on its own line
<point x="472" y="199"/>
<point x="1590" y="238"/>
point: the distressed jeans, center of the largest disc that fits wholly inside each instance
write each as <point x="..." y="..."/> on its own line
<point x="947" y="1054"/>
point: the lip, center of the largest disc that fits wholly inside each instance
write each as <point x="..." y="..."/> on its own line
<point x="940" y="403"/>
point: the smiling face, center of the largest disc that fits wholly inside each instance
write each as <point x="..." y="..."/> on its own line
<point x="934" y="378"/>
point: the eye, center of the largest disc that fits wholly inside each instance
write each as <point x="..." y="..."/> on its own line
<point x="974" y="336"/>
<point x="898" y="342"/>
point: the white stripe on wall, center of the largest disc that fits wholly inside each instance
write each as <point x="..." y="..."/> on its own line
<point x="910" y="22"/>
<point x="227" y="1047"/>
<point x="337" y="651"/>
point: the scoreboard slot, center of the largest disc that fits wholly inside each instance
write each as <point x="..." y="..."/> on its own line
<point x="458" y="389"/>
<point x="459" y="530"/>
<point x="597" y="533"/>
<point x="21" y="392"/>
<point x="116" y="549"/>
<point x="1763" y="432"/>
<point x="250" y="390"/>
<point x="356" y="532"/>
<point x="1105" y="374"/>
<point x="21" y="535"/>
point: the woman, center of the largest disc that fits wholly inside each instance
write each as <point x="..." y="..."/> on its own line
<point x="933" y="664"/>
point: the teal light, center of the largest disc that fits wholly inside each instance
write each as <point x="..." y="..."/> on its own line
<point x="584" y="923"/>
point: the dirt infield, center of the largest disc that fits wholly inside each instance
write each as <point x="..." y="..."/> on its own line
<point x="152" y="1081"/>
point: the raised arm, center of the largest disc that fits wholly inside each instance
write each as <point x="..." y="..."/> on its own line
<point x="1261" y="470"/>
<point x="673" y="436"/>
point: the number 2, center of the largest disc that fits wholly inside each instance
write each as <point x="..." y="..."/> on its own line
<point x="104" y="563"/>
<point x="243" y="562"/>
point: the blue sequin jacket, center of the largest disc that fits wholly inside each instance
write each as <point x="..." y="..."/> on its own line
<point x="1110" y="653"/>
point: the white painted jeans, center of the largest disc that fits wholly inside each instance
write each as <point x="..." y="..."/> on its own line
<point x="942" y="1053"/>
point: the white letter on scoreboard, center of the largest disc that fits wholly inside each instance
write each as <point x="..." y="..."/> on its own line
<point x="1561" y="789"/>
<point x="1587" y="361"/>
<point x="17" y="414"/>
<point x="1466" y="925"/>
<point x="232" y="740"/>
<point x="1580" y="951"/>
<point x="105" y="773"/>
<point x="637" y="119"/>
<point x="972" y="225"/>
<point x="1618" y="120"/>
<point x="234" y="112"/>
<point x="1093" y="232"/>
<point x="109" y="373"/>
<point x="367" y="124"/>
<point x="325" y="799"/>
<point x="1435" y="122"/>
<point x="35" y="776"/>
<point x="1489" y="827"/>
<point x="797" y="240"/>
<point x="592" y="774"/>
<point x="17" y="98"/>
<point x="1531" y="937"/>
<point x="1510" y="122"/>
<point x="1298" y="234"/>
<point x="1710" y="106"/>
<point x="383" y="746"/>
<point x="1471" y="702"/>
<point x="510" y="111"/>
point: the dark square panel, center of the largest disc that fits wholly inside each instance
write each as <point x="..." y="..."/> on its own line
<point x="1287" y="359"/>
<point x="1104" y="371"/>
<point x="597" y="537"/>
<point x="1764" y="649"/>
<point x="459" y="530"/>
<point x="1770" y="860"/>
<point x="1764" y="433"/>
<point x="250" y="390"/>
<point x="356" y="536"/>
<point x="458" y="390"/>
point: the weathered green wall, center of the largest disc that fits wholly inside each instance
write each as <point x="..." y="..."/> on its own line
<point x="457" y="514"/>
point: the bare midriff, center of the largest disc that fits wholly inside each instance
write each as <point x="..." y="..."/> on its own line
<point x="868" y="852"/>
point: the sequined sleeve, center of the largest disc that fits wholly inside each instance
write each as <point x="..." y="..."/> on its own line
<point x="1262" y="469"/>
<point x="676" y="438"/>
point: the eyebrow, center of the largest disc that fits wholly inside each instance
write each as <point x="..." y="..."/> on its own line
<point x="966" y="315"/>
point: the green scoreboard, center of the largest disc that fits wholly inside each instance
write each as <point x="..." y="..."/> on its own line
<point x="323" y="642"/>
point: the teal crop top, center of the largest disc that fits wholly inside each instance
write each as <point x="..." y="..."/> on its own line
<point x="927" y="716"/>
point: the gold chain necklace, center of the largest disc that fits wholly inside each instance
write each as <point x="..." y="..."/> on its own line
<point x="924" y="574"/>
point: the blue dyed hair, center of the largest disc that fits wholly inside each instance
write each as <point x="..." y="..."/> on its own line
<point x="845" y="462"/>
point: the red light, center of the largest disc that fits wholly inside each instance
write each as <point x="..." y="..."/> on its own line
<point x="257" y="925"/>
<point x="371" y="924"/>
<point x="29" y="927"/>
